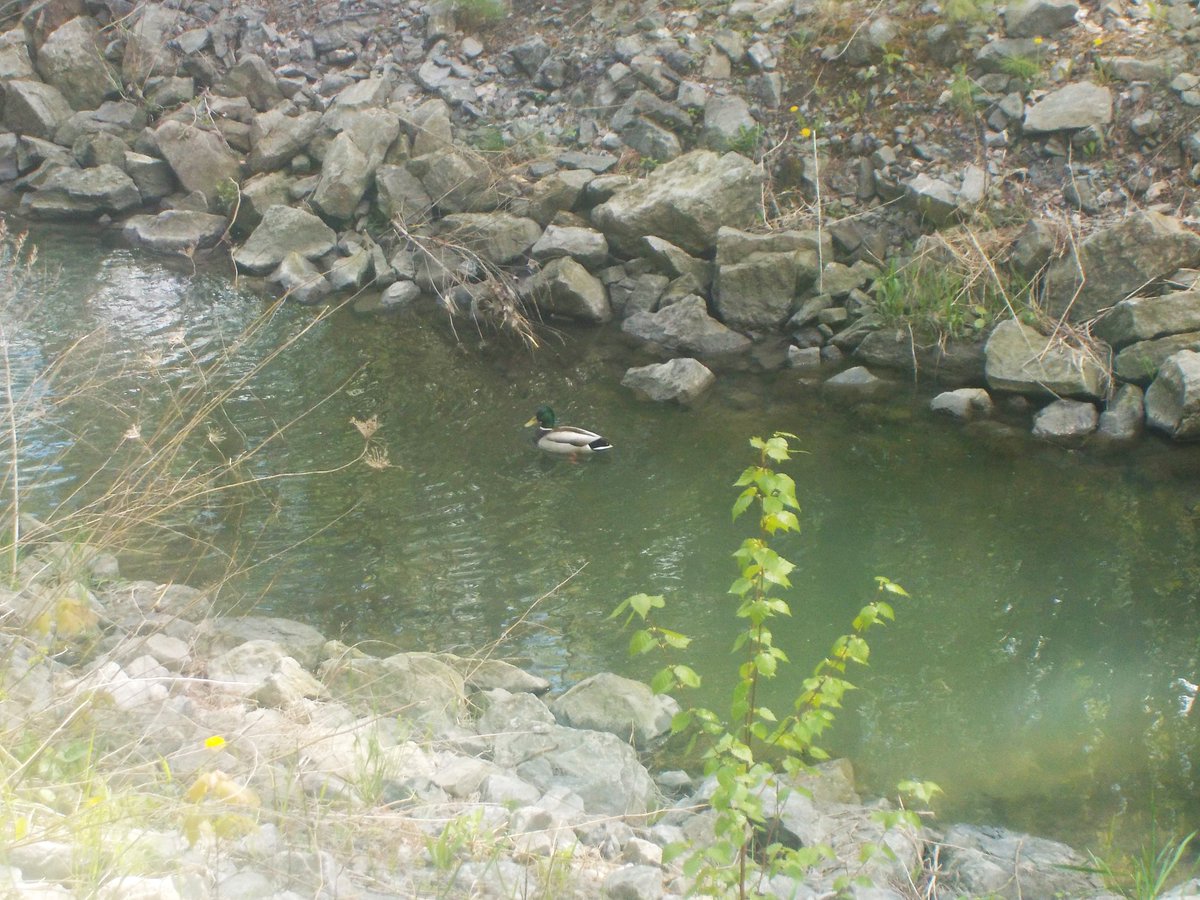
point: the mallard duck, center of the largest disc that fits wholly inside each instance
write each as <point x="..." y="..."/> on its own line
<point x="564" y="439"/>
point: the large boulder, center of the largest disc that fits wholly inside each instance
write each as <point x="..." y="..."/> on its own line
<point x="149" y="49"/>
<point x="455" y="182"/>
<point x="216" y="634"/>
<point x="982" y="861"/>
<point x="685" y="325"/>
<point x="174" y="230"/>
<point x="401" y="195"/>
<point x="1037" y="18"/>
<point x="681" y="380"/>
<point x="1078" y="105"/>
<point x="1140" y="362"/>
<point x="34" y="109"/>
<point x="758" y="275"/>
<point x="573" y="291"/>
<point x="1144" y="318"/>
<point x="200" y="159"/>
<point x="71" y="61"/>
<point x="1173" y="401"/>
<point x="276" y="138"/>
<point x="620" y="706"/>
<point x="284" y="230"/>
<point x="1116" y="263"/>
<point x="418" y="686"/>
<point x="68" y="192"/>
<point x="345" y="176"/>
<point x="940" y="361"/>
<point x="497" y="237"/>
<point x="1021" y="359"/>
<point x="685" y="201"/>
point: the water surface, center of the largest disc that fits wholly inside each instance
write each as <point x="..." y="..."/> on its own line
<point x="1040" y="673"/>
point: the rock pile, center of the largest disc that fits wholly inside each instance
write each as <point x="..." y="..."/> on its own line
<point x="358" y="151"/>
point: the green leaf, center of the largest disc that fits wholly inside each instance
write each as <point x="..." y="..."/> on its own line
<point x="742" y="503"/>
<point x="765" y="663"/>
<point x="662" y="681"/>
<point x="641" y="642"/>
<point x="643" y="603"/>
<point x="686" y="676"/>
<point x="681" y="721"/>
<point x="674" y="639"/>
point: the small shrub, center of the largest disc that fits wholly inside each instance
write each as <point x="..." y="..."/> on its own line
<point x="478" y="13"/>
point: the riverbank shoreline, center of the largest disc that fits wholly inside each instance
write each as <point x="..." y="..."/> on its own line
<point x="167" y="751"/>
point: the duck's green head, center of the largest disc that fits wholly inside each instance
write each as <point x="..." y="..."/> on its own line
<point x="543" y="417"/>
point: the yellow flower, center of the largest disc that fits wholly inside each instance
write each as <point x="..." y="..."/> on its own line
<point x="216" y="742"/>
<point x="805" y="132"/>
<point x="1037" y="40"/>
<point x="793" y="109"/>
<point x="1098" y="41"/>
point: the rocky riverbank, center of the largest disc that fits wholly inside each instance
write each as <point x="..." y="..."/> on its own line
<point x="154" y="749"/>
<point x="992" y="199"/>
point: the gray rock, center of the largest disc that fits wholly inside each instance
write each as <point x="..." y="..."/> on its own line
<point x="119" y="118"/>
<point x="574" y="292"/>
<point x="964" y="404"/>
<point x="399" y="295"/>
<point x="557" y="192"/>
<point x="259" y="194"/>
<point x="350" y="272"/>
<point x="201" y="160"/>
<point x="71" y="61"/>
<point x="634" y="882"/>
<point x="174" y="230"/>
<point x="943" y="362"/>
<point x="99" y="148"/>
<point x="148" y="31"/>
<point x="1065" y="422"/>
<point x="620" y="706"/>
<point x="455" y="182"/>
<point x="276" y="138"/>
<point x="218" y="634"/>
<point x="1077" y="105"/>
<point x="401" y="195"/>
<point x="934" y="199"/>
<point x="1117" y="262"/>
<point x="284" y="230"/>
<point x="682" y="380"/>
<point x="1022" y="360"/>
<point x="650" y="139"/>
<point x="600" y="768"/>
<point x="685" y="201"/>
<point x="676" y="263"/>
<point x="34" y="108"/>
<point x="993" y="56"/>
<point x="686" y="326"/>
<point x="68" y="192"/>
<point x="418" y="685"/>
<point x="728" y="123"/>
<point x="857" y="381"/>
<point x="530" y="54"/>
<point x="1039" y="18"/>
<point x="804" y="357"/>
<point x="286" y="685"/>
<point x="979" y="861"/>
<point x="758" y="292"/>
<point x="585" y="245"/>
<point x="1140" y="362"/>
<point x="253" y="79"/>
<point x="497" y="237"/>
<point x="1145" y="318"/>
<point x="15" y="62"/>
<point x="345" y="175"/>
<point x="1173" y="400"/>
<point x="637" y="294"/>
<point x="1122" y="421"/>
<point x="489" y="674"/>
<point x="302" y="281"/>
<point x="1033" y="247"/>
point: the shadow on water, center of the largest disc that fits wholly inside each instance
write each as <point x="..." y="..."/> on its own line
<point x="1040" y="673"/>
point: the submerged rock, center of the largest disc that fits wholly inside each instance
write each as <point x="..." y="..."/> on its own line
<point x="1065" y="422"/>
<point x="174" y="230"/>
<point x="682" y="380"/>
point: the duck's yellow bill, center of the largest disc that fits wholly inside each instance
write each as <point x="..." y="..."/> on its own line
<point x="531" y="422"/>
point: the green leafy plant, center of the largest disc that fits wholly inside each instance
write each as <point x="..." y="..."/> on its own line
<point x="752" y="754"/>
<point x="1026" y="69"/>
<point x="747" y="139"/>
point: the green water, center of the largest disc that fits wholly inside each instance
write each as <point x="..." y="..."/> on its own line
<point x="1035" y="673"/>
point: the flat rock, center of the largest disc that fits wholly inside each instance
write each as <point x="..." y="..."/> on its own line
<point x="174" y="230"/>
<point x="1139" y="362"/>
<point x="1145" y="318"/>
<point x="1022" y="360"/>
<point x="1078" y="105"/>
<point x="985" y="861"/>
<point x="34" y="108"/>
<point x="283" y="230"/>
<point x="498" y="237"/>
<point x="1065" y="422"/>
<point x="585" y="245"/>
